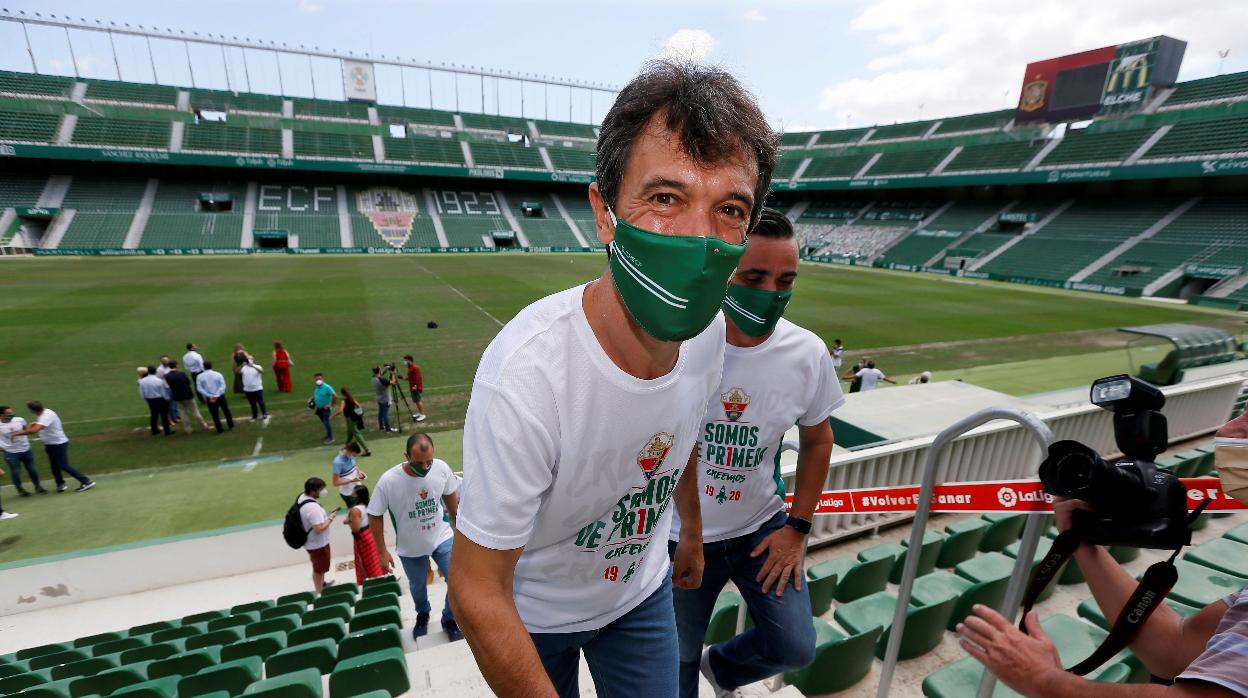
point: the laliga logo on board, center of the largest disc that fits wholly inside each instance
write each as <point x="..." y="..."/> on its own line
<point x="734" y="401"/>
<point x="651" y="456"/>
<point x="1007" y="497"/>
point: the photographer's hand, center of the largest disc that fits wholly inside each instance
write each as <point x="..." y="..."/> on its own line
<point x="1064" y="511"/>
<point x="1025" y="662"/>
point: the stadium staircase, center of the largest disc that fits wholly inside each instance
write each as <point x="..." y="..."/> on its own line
<point x="1003" y="246"/>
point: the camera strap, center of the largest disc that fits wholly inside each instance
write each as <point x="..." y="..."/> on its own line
<point x="1156" y="583"/>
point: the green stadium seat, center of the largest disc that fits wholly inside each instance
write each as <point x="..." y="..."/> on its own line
<point x="1238" y="534"/>
<point x="962" y="540"/>
<point x="338" y="611"/>
<point x="83" y="667"/>
<point x="320" y="655"/>
<point x="232" y="677"/>
<point x="7" y="670"/>
<point x="376" y="601"/>
<point x="20" y="682"/>
<point x="253" y="606"/>
<point x="53" y="648"/>
<point x="286" y="609"/>
<point x="302" y="597"/>
<point x="347" y="601"/>
<point x="51" y="689"/>
<point x="391" y="587"/>
<point x="96" y="639"/>
<point x="163" y="687"/>
<point x="1003" y="529"/>
<point x="840" y="661"/>
<point x="305" y="683"/>
<point x="282" y="624"/>
<point x="179" y="633"/>
<point x="1200" y="586"/>
<point x="855" y="580"/>
<point x="1089" y="610"/>
<point x="821" y="583"/>
<point x="933" y="543"/>
<point x="205" y="617"/>
<point x="380" y="581"/>
<point x="880" y="552"/>
<point x="107" y="682"/>
<point x="149" y="628"/>
<point x="332" y="629"/>
<point x="234" y="620"/>
<point x="992" y="567"/>
<point x="1221" y="554"/>
<point x="925" y="625"/>
<point x="262" y="646"/>
<point x="44" y="661"/>
<point x="384" y="670"/>
<point x="373" y="619"/>
<point x="162" y="650"/>
<point x="1071" y="574"/>
<point x="938" y="587"/>
<point x="723" y="623"/>
<point x="190" y="662"/>
<point x="377" y="639"/>
<point x="115" y="646"/>
<point x="347" y="588"/>
<point x="215" y="638"/>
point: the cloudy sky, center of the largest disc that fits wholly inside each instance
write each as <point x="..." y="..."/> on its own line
<point x="813" y="64"/>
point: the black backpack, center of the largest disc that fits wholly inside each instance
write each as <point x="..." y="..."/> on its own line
<point x="292" y="530"/>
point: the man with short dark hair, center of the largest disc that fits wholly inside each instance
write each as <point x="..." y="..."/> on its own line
<point x="193" y="363"/>
<point x="381" y="390"/>
<point x="211" y="385"/>
<point x="586" y="407"/>
<point x="56" y="444"/>
<point x="316" y="523"/>
<point x="870" y="377"/>
<point x="154" y="391"/>
<point x="183" y="395"/>
<point x="17" y="452"/>
<point x="416" y="384"/>
<point x="346" y="473"/>
<point x="776" y="374"/>
<point x="421" y="497"/>
<point x="323" y="398"/>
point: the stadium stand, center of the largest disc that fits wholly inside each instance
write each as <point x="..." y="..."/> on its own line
<point x="1092" y="146"/>
<point x="134" y="133"/>
<point x="342" y="146"/>
<point x="31" y="84"/>
<point x="835" y="166"/>
<point x="307" y="211"/>
<point x="491" y="122"/>
<point x="906" y="130"/>
<point x="844" y="137"/>
<point x="549" y="230"/>
<point x="1200" y="138"/>
<point x="993" y="157"/>
<point x="907" y="162"/>
<point x="974" y="122"/>
<point x="565" y="129"/>
<point x="470" y="216"/>
<point x="572" y="159"/>
<point x="20" y="190"/>
<point x="577" y="206"/>
<point x="223" y="138"/>
<point x="24" y="127"/>
<point x="382" y="200"/>
<point x="1215" y="89"/>
<point x="224" y="101"/>
<point x="178" y="221"/>
<point x="923" y="244"/>
<point x="506" y="155"/>
<point x="114" y="91"/>
<point x="329" y="109"/>
<point x="417" y="148"/>
<point x="390" y="114"/>
<point x="104" y="208"/>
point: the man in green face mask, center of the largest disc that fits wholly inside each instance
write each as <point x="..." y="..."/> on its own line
<point x="586" y="407"/>
<point x="776" y="374"/>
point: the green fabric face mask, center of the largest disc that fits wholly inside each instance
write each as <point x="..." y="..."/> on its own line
<point x="672" y="285"/>
<point x="754" y="310"/>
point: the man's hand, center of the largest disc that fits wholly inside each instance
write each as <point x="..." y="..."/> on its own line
<point x="784" y="560"/>
<point x="362" y="476"/>
<point x="1026" y="663"/>
<point x="1064" y="511"/>
<point x="387" y="562"/>
<point x="687" y="563"/>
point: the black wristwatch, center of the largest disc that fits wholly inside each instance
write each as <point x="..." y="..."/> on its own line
<point x="802" y="526"/>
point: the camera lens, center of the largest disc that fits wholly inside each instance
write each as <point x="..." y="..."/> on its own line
<point x="1074" y="470"/>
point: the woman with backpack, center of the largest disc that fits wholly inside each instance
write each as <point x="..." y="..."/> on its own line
<point x="353" y="411"/>
<point x="367" y="565"/>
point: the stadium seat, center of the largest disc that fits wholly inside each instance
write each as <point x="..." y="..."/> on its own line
<point x="163" y="687"/>
<point x="723" y="623"/>
<point x="1003" y="529"/>
<point x="96" y="639"/>
<point x="302" y="597"/>
<point x="105" y="683"/>
<point x="380" y="581"/>
<point x="390" y="587"/>
<point x="341" y="599"/>
<point x="345" y="588"/>
<point x="961" y="541"/>
<point x="840" y="661"/>
<point x="115" y="646"/>
<point x="821" y="584"/>
<point x="376" y="601"/>
<point x="338" y="611"/>
<point x="216" y="638"/>
<point x="287" y="609"/>
<point x="992" y="567"/>
<point x="31" y="652"/>
<point x="384" y="670"/>
<point x="1238" y="534"/>
<point x="939" y="587"/>
<point x="262" y="646"/>
<point x="1071" y="574"/>
<point x="372" y="640"/>
<point x="232" y="677"/>
<point x="20" y="682"/>
<point x="1200" y="586"/>
<point x="373" y="619"/>
<point x="1089" y="610"/>
<point x="305" y="683"/>
<point x="854" y="579"/>
<point x="190" y="662"/>
<point x="51" y="689"/>
<point x="45" y="661"/>
<point x="179" y="633"/>
<point x="160" y="650"/>
<point x="234" y="620"/>
<point x="283" y="625"/>
<point x="332" y="629"/>
<point x="7" y="670"/>
<point x="321" y="655"/>
<point x="1221" y="554"/>
<point x="149" y="628"/>
<point x="253" y="606"/>
<point x="925" y="625"/>
<point x="83" y="667"/>
<point x="933" y="543"/>
<point x="205" y="617"/>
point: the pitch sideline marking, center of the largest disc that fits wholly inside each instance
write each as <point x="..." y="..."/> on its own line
<point x="459" y="293"/>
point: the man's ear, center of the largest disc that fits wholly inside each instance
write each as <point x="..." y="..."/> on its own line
<point x="606" y="229"/>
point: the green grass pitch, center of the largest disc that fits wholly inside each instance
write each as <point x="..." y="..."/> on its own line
<point x="75" y="329"/>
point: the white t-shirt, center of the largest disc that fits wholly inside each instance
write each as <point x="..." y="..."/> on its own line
<point x="192" y="362"/>
<point x="576" y="461"/>
<point x="871" y="378"/>
<point x="52" y="432"/>
<point x="162" y="370"/>
<point x="788" y="379"/>
<point x="253" y="380"/>
<point x="415" y="507"/>
<point x="311" y="516"/>
<point x="17" y="444"/>
<point x="837" y="354"/>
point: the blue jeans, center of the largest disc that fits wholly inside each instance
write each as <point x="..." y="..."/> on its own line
<point x="784" y="634"/>
<point x="323" y="413"/>
<point x="58" y="458"/>
<point x="383" y="416"/>
<point x="15" y="461"/>
<point x="173" y="409"/>
<point x="634" y="655"/>
<point x="417" y="571"/>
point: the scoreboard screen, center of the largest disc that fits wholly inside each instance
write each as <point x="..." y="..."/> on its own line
<point x="1117" y="79"/>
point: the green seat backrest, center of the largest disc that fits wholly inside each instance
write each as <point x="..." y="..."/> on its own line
<point x="44" y="661"/>
<point x="839" y="663"/>
<point x="925" y="626"/>
<point x="821" y="582"/>
<point x="373" y="619"/>
<point x="253" y="606"/>
<point x="962" y="541"/>
<point x="96" y="639"/>
<point x="1002" y="530"/>
<point x="321" y="655"/>
<point x="232" y="677"/>
<point x="372" y="603"/>
<point x="286" y="609"/>
<point x="215" y="639"/>
<point x="204" y="617"/>
<point x="189" y="662"/>
<point x="340" y="612"/>
<point x="105" y="683"/>
<point x="262" y="646"/>
<point x="384" y="670"/>
<point x="305" y="683"/>
<point x="723" y="623"/>
<point x="281" y="624"/>
<point x="863" y="578"/>
<point x="163" y="687"/>
<point x="333" y="629"/>
<point x="371" y="640"/>
<point x="83" y="667"/>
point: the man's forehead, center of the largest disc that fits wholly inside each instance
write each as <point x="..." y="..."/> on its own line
<point x="659" y="152"/>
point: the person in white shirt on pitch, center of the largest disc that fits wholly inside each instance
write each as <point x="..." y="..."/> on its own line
<point x="838" y="354"/>
<point x="416" y="493"/>
<point x="17" y="453"/>
<point x="871" y="377"/>
<point x="56" y="444"/>
<point x="253" y="388"/>
<point x="193" y="363"/>
<point x="586" y="407"/>
<point x="776" y="374"/>
<point x="162" y="370"/>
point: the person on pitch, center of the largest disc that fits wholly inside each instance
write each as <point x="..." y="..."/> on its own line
<point x="586" y="408"/>
<point x="776" y="374"/>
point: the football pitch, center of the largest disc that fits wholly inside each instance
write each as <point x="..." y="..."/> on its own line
<point x="75" y="330"/>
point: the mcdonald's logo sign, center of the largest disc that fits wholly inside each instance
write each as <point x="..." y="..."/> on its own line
<point x="1131" y="74"/>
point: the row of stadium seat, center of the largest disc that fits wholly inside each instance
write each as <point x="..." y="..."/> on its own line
<point x="278" y="649"/>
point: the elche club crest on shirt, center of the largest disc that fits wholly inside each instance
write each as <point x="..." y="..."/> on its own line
<point x="652" y="454"/>
<point x="424" y="493"/>
<point x="734" y="401"/>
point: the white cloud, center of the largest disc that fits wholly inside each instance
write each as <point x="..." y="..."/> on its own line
<point x="755" y="15"/>
<point x="968" y="56"/>
<point x="689" y="44"/>
<point x="310" y="6"/>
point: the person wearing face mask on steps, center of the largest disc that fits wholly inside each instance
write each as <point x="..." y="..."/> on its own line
<point x="776" y="374"/>
<point x="586" y="408"/>
<point x="316" y="522"/>
<point x="1205" y="654"/>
